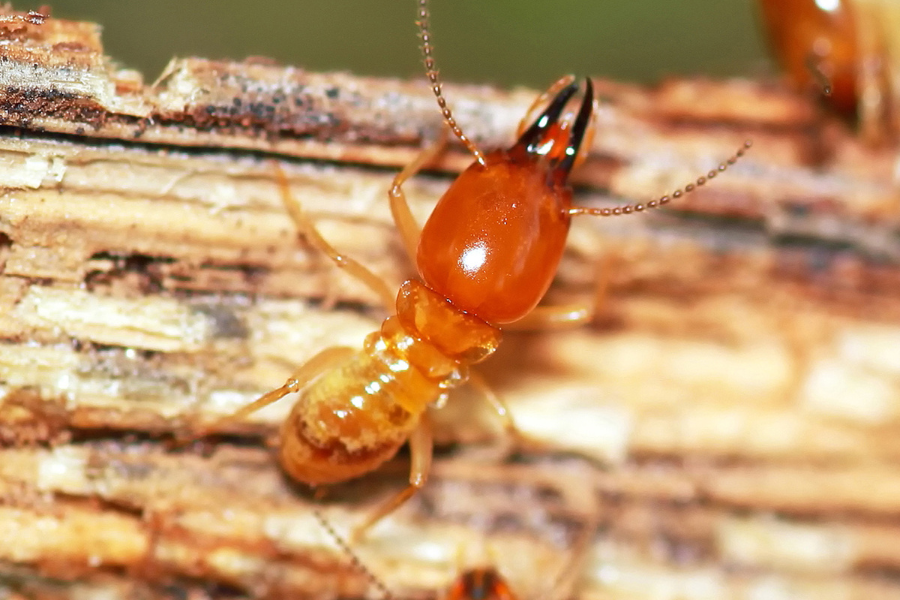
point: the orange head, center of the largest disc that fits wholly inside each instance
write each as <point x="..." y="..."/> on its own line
<point x="479" y="584"/>
<point x="816" y="43"/>
<point x="494" y="241"/>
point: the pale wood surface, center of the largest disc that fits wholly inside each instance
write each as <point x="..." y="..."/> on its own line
<point x="733" y="411"/>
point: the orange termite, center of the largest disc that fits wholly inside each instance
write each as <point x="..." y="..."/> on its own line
<point x="847" y="49"/>
<point x="486" y="582"/>
<point x="485" y="258"/>
<point x="816" y="42"/>
<point x="475" y="584"/>
<point x="481" y="583"/>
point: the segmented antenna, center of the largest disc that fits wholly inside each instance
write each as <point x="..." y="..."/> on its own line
<point x="435" y="79"/>
<point x="354" y="559"/>
<point x="627" y="209"/>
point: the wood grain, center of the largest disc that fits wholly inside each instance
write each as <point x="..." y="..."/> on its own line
<point x="731" y="414"/>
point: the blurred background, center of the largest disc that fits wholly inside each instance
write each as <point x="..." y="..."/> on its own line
<point x="502" y="42"/>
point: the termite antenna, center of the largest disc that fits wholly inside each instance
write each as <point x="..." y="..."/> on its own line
<point x="627" y="209"/>
<point x="435" y="79"/>
<point x="354" y="559"/>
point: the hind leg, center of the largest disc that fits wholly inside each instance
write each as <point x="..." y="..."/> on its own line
<point x="421" y="446"/>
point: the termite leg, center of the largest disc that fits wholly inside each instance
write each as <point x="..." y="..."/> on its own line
<point x="308" y="230"/>
<point x="403" y="218"/>
<point x="421" y="446"/>
<point x="568" y="316"/>
<point x="568" y="577"/>
<point x="477" y="381"/>
<point x="561" y="83"/>
<point x="563" y="316"/>
<point x="312" y="368"/>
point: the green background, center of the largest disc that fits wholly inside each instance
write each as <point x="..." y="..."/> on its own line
<point x="504" y="42"/>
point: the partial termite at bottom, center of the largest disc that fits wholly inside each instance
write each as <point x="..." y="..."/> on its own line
<point x="485" y="581"/>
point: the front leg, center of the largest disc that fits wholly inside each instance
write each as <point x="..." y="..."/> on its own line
<point x="403" y="218"/>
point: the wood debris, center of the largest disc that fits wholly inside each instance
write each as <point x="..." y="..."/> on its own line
<point x="733" y="410"/>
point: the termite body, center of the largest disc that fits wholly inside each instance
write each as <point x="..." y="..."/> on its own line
<point x="485" y="258"/>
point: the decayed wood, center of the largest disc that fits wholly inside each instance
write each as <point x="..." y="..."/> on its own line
<point x="736" y="398"/>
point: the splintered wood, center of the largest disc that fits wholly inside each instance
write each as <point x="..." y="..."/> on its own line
<point x="732" y="415"/>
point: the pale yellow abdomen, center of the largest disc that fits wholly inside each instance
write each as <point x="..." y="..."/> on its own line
<point x="356" y="416"/>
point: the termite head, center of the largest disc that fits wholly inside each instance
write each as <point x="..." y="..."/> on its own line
<point x="547" y="131"/>
<point x="493" y="242"/>
<point x="480" y="584"/>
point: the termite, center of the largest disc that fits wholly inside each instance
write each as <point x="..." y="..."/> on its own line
<point x="846" y="49"/>
<point x="816" y="46"/>
<point x="479" y="583"/>
<point x="486" y="582"/>
<point x="485" y="258"/>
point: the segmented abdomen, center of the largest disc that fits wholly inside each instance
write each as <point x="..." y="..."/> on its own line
<point x="356" y="416"/>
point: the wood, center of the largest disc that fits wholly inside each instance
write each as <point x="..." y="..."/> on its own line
<point x="731" y="414"/>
